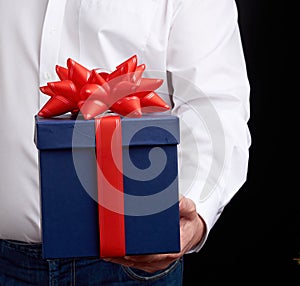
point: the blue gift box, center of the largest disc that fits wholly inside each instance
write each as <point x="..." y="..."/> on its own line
<point x="68" y="185"/>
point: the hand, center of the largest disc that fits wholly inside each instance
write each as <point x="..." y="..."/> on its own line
<point x="192" y="229"/>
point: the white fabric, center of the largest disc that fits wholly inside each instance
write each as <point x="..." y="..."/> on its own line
<point x="196" y="41"/>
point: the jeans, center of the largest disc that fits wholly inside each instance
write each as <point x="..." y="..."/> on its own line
<point x="22" y="264"/>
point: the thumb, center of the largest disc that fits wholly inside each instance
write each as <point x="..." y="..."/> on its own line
<point x="186" y="206"/>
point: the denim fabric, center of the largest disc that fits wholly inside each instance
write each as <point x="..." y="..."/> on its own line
<point x="22" y="264"/>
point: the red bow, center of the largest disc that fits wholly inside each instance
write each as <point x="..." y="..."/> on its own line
<point x="124" y="91"/>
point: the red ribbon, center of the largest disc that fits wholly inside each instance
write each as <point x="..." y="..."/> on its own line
<point x="123" y="91"/>
<point x="110" y="180"/>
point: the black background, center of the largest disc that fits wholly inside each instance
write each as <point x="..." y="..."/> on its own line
<point x="257" y="238"/>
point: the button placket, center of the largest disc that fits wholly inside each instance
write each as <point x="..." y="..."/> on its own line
<point x="50" y="42"/>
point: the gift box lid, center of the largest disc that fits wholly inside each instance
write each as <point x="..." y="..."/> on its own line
<point x="160" y="129"/>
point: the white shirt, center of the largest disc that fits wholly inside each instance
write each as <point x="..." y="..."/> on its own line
<point x="196" y="41"/>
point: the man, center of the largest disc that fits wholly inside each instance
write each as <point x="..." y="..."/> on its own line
<point x="196" y="48"/>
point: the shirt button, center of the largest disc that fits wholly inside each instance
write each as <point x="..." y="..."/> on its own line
<point x="53" y="30"/>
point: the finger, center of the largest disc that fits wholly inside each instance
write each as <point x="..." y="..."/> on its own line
<point x="152" y="258"/>
<point x="186" y="207"/>
<point x="145" y="258"/>
<point x="119" y="260"/>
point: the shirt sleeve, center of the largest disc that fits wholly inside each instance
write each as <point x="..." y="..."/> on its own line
<point x="210" y="92"/>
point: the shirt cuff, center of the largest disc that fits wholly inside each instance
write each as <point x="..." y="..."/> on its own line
<point x="209" y="211"/>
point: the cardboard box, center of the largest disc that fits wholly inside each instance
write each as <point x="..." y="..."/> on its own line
<point x="68" y="185"/>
